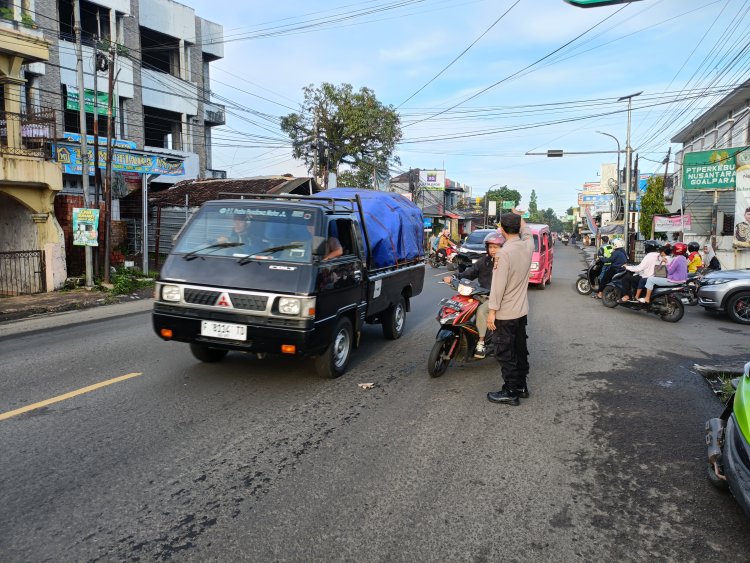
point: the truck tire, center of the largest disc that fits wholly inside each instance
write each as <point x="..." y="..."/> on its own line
<point x="394" y="320"/>
<point x="333" y="362"/>
<point x="206" y="353"/>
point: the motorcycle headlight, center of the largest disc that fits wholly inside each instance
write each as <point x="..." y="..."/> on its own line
<point x="535" y="265"/>
<point x="170" y="293"/>
<point x="464" y="289"/>
<point x="289" y="306"/>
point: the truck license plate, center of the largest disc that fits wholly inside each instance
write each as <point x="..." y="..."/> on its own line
<point x="223" y="330"/>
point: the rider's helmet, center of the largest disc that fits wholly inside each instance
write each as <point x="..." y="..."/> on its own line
<point x="618" y="243"/>
<point x="651" y="246"/>
<point x="679" y="248"/>
<point x="493" y="238"/>
<point x="694" y="247"/>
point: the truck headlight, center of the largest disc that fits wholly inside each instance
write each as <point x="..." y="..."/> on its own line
<point x="535" y="265"/>
<point x="289" y="306"/>
<point x="170" y="293"/>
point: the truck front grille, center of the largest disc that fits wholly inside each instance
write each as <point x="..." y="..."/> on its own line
<point x="248" y="302"/>
<point x="201" y="296"/>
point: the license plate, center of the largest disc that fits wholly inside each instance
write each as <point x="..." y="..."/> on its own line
<point x="223" y="330"/>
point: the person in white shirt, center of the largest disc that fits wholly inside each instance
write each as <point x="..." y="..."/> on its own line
<point x="639" y="273"/>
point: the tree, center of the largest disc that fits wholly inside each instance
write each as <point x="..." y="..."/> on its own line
<point x="533" y="209"/>
<point x="501" y="195"/>
<point x="337" y="125"/>
<point x="652" y="203"/>
<point x="357" y="178"/>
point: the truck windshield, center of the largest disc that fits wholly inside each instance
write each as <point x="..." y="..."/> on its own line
<point x="252" y="231"/>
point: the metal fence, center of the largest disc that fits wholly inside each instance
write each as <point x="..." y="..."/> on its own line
<point x="22" y="272"/>
<point x="33" y="130"/>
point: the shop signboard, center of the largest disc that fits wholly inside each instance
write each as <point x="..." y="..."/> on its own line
<point x="432" y="180"/>
<point x="85" y="227"/>
<point x="710" y="170"/>
<point x="72" y="101"/>
<point x="122" y="161"/>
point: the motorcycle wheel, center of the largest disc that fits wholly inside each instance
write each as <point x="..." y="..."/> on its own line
<point x="433" y="262"/>
<point x="610" y="296"/>
<point x="675" y="310"/>
<point x="437" y="363"/>
<point x="583" y="286"/>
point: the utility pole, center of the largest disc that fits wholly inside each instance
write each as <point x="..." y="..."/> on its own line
<point x="628" y="171"/>
<point x="108" y="173"/>
<point x="84" y="141"/>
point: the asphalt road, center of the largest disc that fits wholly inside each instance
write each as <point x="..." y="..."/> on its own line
<point x="261" y="460"/>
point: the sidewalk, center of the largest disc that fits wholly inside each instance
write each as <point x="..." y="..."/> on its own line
<point x="45" y="304"/>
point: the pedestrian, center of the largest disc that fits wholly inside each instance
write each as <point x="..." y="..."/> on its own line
<point x="509" y="307"/>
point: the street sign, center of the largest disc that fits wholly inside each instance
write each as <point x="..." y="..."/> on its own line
<point x="597" y="3"/>
<point x="508" y="205"/>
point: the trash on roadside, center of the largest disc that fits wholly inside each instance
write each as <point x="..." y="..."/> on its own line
<point x="366" y="385"/>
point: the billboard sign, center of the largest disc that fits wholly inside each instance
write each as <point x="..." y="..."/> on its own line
<point x="710" y="170"/>
<point x="673" y="224"/>
<point x="122" y="161"/>
<point x="85" y="227"/>
<point x="432" y="180"/>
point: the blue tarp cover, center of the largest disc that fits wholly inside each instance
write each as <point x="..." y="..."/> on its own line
<point x="394" y="225"/>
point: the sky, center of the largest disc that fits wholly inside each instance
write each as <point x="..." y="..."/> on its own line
<point x="480" y="83"/>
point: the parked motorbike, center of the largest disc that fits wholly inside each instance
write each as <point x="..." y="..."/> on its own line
<point x="666" y="302"/>
<point x="728" y="443"/>
<point x="588" y="279"/>
<point x="690" y="292"/>
<point x="437" y="259"/>
<point x="458" y="330"/>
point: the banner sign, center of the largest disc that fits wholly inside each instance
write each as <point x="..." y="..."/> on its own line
<point x="673" y="224"/>
<point x="742" y="201"/>
<point x="122" y="161"/>
<point x="508" y="204"/>
<point x="117" y="143"/>
<point x="72" y="101"/>
<point x="85" y="227"/>
<point x="427" y="222"/>
<point x="590" y="220"/>
<point x="432" y="180"/>
<point x="710" y="170"/>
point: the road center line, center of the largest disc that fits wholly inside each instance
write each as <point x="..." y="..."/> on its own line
<point x="69" y="395"/>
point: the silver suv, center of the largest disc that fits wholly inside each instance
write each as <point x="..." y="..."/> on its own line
<point x="727" y="290"/>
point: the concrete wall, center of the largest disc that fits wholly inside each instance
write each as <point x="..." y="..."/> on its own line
<point x="134" y="105"/>
<point x="119" y="5"/>
<point x="211" y="38"/>
<point x="169" y="17"/>
<point x="165" y="91"/>
<point x="67" y="54"/>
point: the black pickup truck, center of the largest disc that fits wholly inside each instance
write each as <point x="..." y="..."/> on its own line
<point x="296" y="275"/>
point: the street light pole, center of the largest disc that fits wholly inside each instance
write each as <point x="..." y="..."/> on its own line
<point x="628" y="172"/>
<point x="618" y="164"/>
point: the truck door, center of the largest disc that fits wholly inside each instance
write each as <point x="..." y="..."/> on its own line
<point x="340" y="277"/>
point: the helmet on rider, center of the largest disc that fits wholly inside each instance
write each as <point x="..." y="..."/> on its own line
<point x="493" y="238"/>
<point x="651" y="246"/>
<point x="618" y="243"/>
<point x="679" y="248"/>
<point x="694" y="247"/>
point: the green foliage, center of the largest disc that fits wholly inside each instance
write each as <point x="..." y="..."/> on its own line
<point x="652" y="203"/>
<point x="503" y="194"/>
<point x="337" y="125"/>
<point x="129" y="280"/>
<point x="357" y="178"/>
<point x="533" y="206"/>
<point x="28" y="21"/>
<point x="6" y="13"/>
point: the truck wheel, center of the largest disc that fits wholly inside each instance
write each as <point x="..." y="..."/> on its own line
<point x="333" y="362"/>
<point x="394" y="320"/>
<point x="207" y="354"/>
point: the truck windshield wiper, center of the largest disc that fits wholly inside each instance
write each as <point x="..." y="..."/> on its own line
<point x="194" y="254"/>
<point x="269" y="250"/>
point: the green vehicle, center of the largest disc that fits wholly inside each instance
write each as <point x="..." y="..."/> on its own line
<point x="728" y="444"/>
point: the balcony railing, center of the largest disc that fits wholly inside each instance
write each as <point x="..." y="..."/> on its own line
<point x="27" y="134"/>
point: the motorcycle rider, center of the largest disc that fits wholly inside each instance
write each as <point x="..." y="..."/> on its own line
<point x="616" y="262"/>
<point x="695" y="262"/>
<point x="444" y="241"/>
<point x="481" y="271"/>
<point x="637" y="274"/>
<point x="676" y="272"/>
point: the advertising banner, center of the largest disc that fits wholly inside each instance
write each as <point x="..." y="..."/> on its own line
<point x="72" y="101"/>
<point x="710" y="170"/>
<point x="742" y="201"/>
<point x="85" y="227"/>
<point x="117" y="143"/>
<point x="673" y="224"/>
<point x="432" y="180"/>
<point x="609" y="178"/>
<point x="508" y="205"/>
<point x="122" y="161"/>
<point x="592" y="188"/>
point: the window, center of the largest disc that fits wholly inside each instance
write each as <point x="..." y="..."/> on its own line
<point x="341" y="229"/>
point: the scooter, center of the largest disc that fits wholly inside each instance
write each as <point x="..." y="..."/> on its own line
<point x="666" y="302"/>
<point x="458" y="330"/>
<point x="448" y="259"/>
<point x="588" y="279"/>
<point x="690" y="292"/>
<point x="728" y="443"/>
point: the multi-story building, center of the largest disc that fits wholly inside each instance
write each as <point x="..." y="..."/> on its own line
<point x="160" y="53"/>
